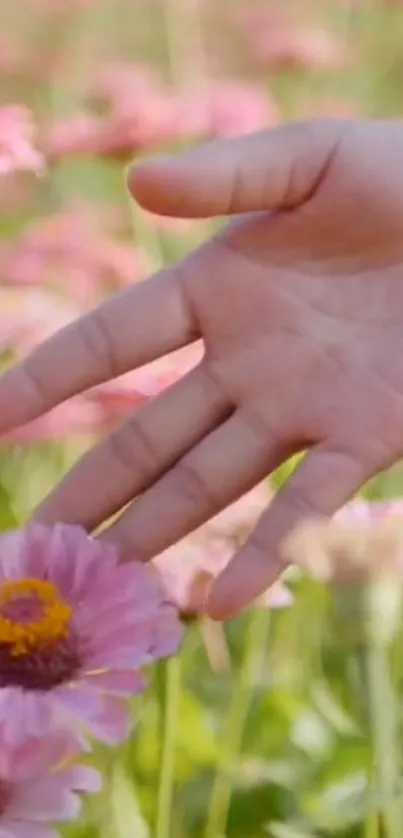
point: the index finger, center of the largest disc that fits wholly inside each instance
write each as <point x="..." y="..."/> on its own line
<point x="136" y="326"/>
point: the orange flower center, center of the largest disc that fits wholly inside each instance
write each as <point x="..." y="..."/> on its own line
<point x="33" y="615"/>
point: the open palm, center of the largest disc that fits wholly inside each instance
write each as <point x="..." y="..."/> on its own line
<point x="299" y="303"/>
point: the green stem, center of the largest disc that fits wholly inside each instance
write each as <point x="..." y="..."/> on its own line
<point x="8" y="517"/>
<point x="384" y="735"/>
<point x="170" y="692"/>
<point x="372" y="827"/>
<point x="183" y="35"/>
<point x="230" y="747"/>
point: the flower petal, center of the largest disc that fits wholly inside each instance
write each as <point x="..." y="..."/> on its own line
<point x="125" y="682"/>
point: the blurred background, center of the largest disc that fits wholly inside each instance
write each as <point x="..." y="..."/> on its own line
<point x="259" y="728"/>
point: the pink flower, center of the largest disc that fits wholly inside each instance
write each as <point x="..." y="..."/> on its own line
<point x="364" y="513"/>
<point x="231" y="108"/>
<point x="16" y="141"/>
<point x="40" y="783"/>
<point x="76" y="417"/>
<point x="284" y="46"/>
<point x="189" y="568"/>
<point x="127" y="392"/>
<point x="73" y="249"/>
<point x="361" y="542"/>
<point x="73" y="135"/>
<point x="75" y="630"/>
<point x="31" y="314"/>
<point x="143" y="122"/>
<point x="122" y="80"/>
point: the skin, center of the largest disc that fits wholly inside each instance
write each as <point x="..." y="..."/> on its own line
<point x="299" y="303"/>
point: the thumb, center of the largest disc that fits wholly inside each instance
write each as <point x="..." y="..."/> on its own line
<point x="270" y="170"/>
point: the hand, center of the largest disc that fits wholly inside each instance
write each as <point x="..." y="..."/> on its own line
<point x="300" y="308"/>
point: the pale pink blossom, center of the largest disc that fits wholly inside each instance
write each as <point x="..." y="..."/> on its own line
<point x="230" y="108"/>
<point x="284" y="47"/>
<point x="129" y="391"/>
<point x="29" y="315"/>
<point x="117" y="397"/>
<point x="362" y="541"/>
<point x="118" y="81"/>
<point x="76" y="134"/>
<point x="364" y="513"/>
<point x="76" y="629"/>
<point x="146" y="121"/>
<point x="79" y="417"/>
<point x="74" y="251"/>
<point x="189" y="568"/>
<point x="139" y="114"/>
<point x="41" y="783"/>
<point x="17" y="151"/>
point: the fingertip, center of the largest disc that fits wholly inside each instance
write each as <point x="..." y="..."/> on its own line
<point x="217" y="608"/>
<point x="153" y="184"/>
<point x="248" y="576"/>
<point x="192" y="185"/>
<point x="231" y="592"/>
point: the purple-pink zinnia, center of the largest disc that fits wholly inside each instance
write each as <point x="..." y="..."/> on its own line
<point x="40" y="783"/>
<point x="76" y="627"/>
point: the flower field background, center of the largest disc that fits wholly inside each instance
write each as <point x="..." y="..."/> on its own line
<point x="271" y="725"/>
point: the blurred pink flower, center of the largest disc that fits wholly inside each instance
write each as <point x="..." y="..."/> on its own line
<point x="127" y="392"/>
<point x="40" y="783"/>
<point x="189" y="568"/>
<point x="29" y="315"/>
<point x="145" y="121"/>
<point x="77" y="417"/>
<point x="364" y="513"/>
<point x="118" y="81"/>
<point x="229" y="108"/>
<point x="254" y="16"/>
<point x="127" y="109"/>
<point x="139" y="113"/>
<point x="361" y="542"/>
<point x="71" y="250"/>
<point x="285" y="46"/>
<point x="75" y="630"/>
<point x="76" y="134"/>
<point x="17" y="151"/>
